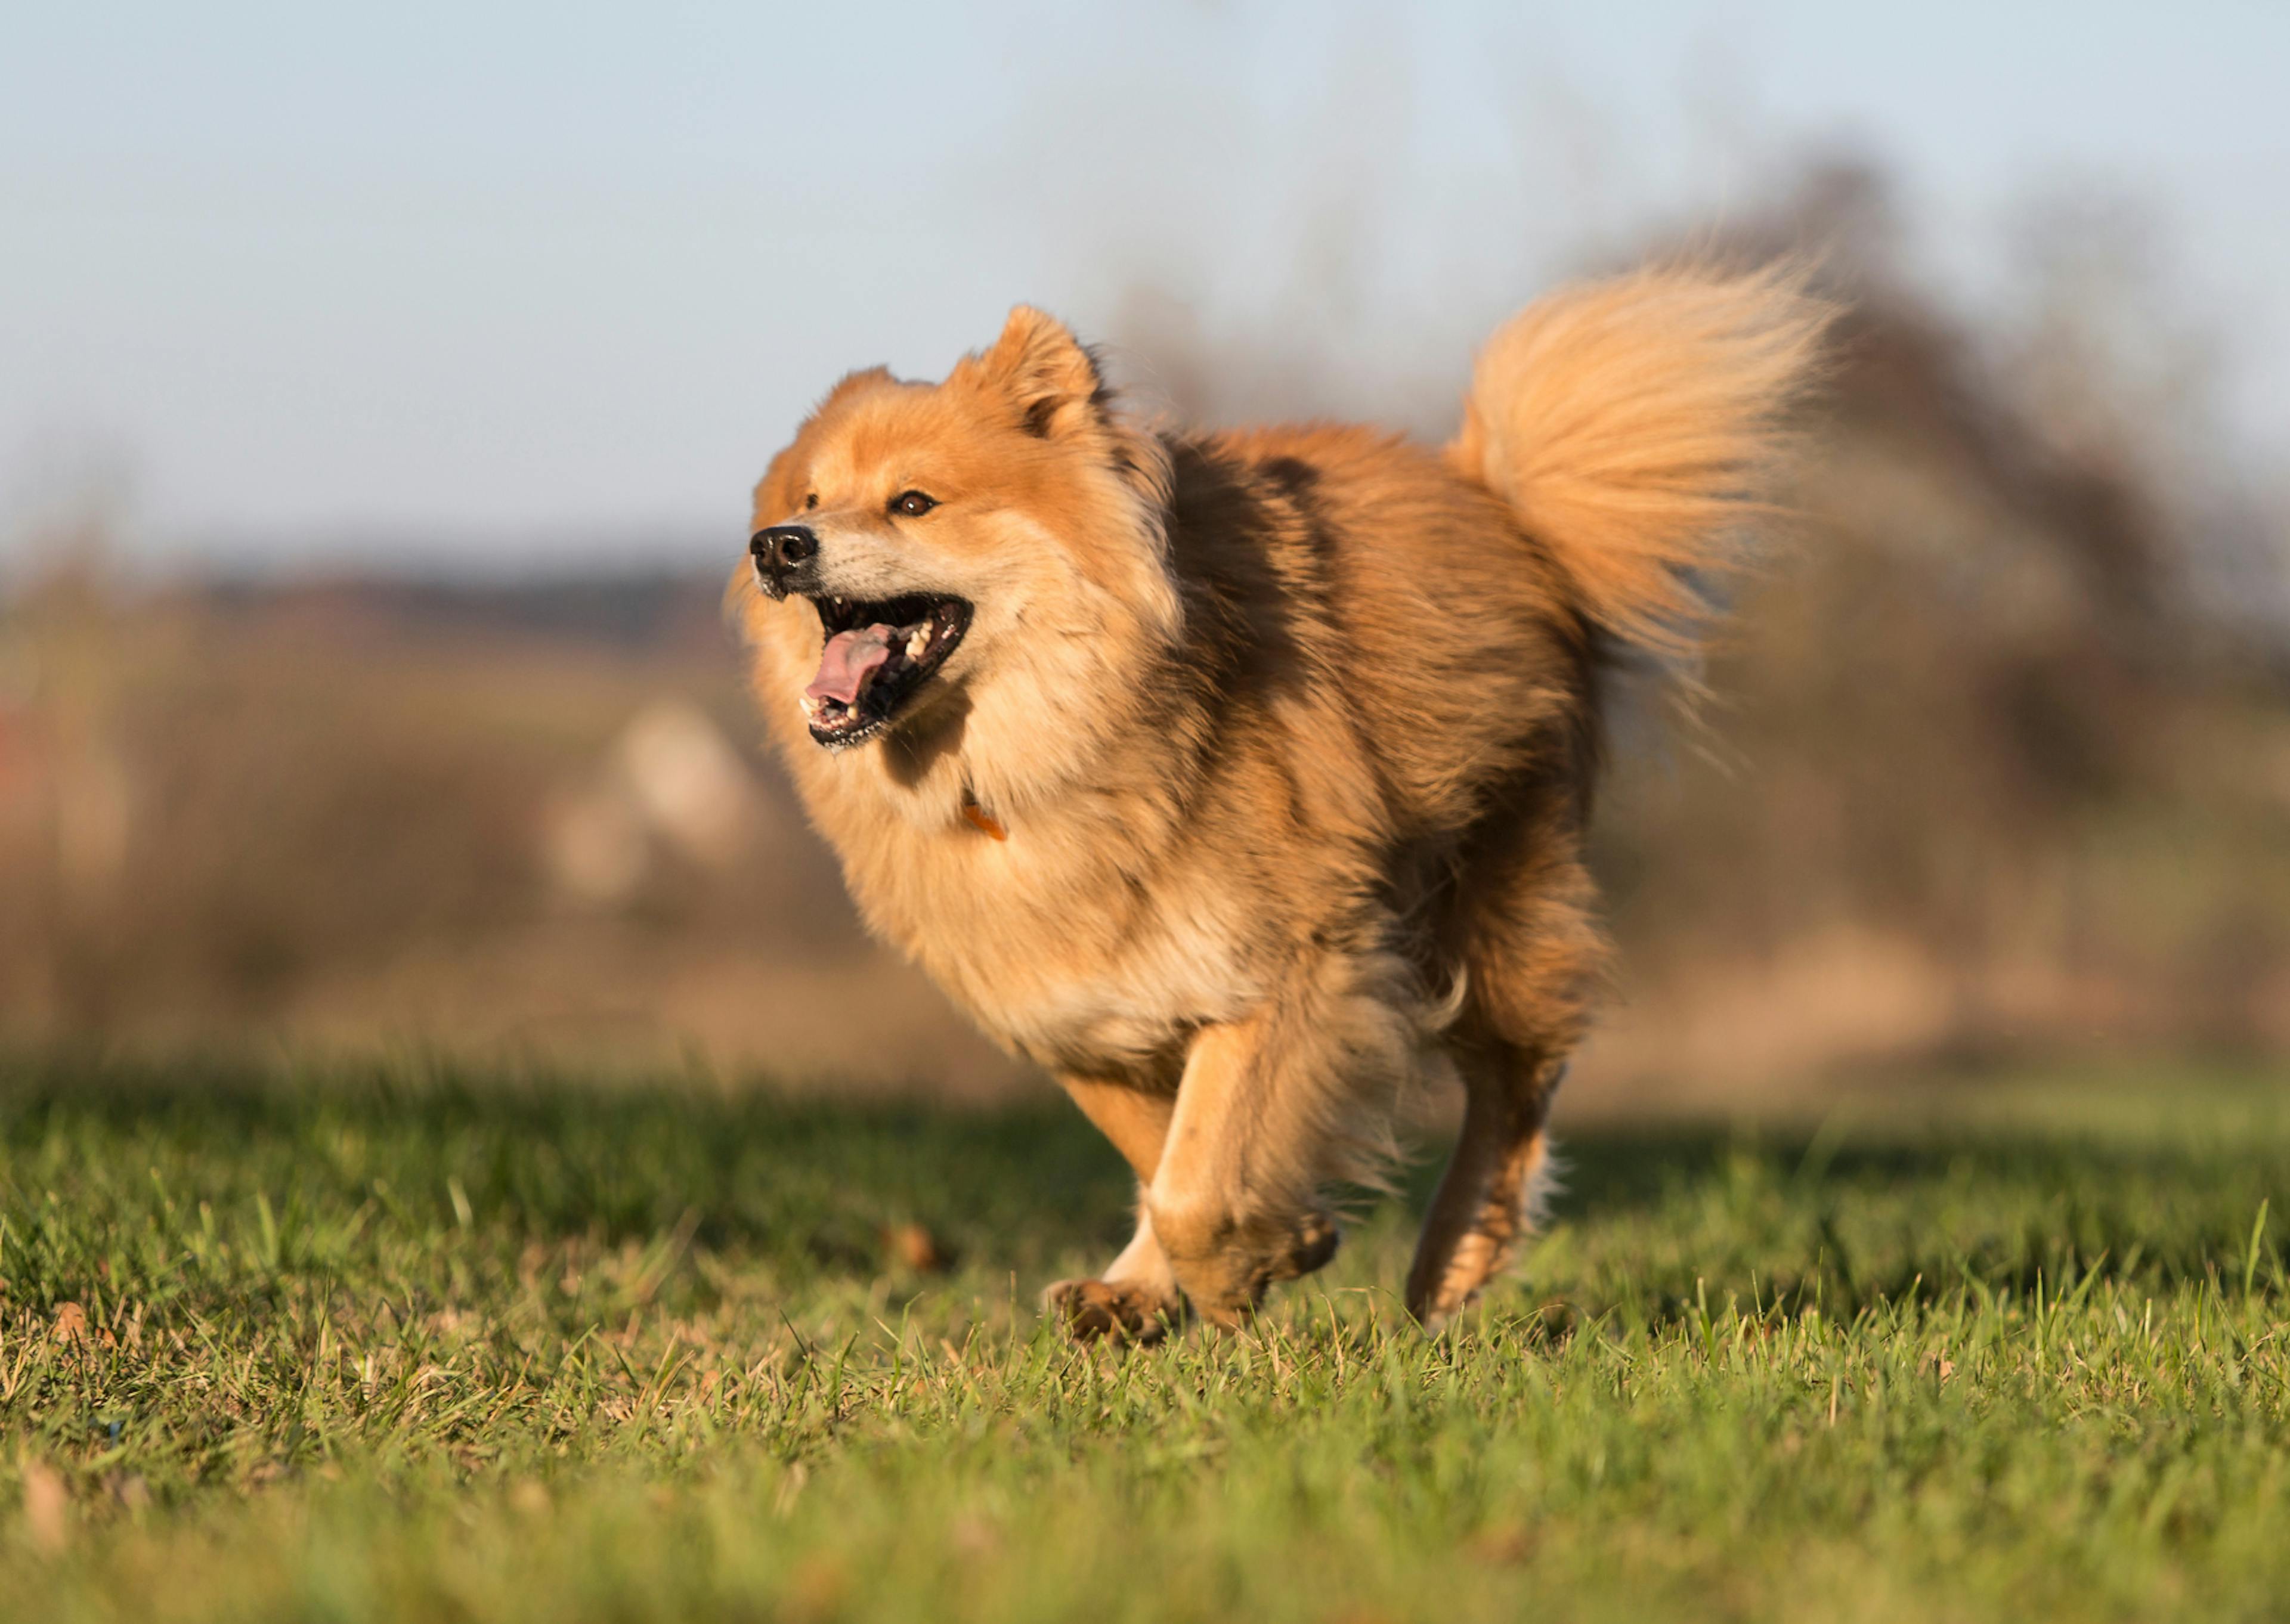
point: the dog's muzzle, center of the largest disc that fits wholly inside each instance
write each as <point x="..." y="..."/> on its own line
<point x="785" y="558"/>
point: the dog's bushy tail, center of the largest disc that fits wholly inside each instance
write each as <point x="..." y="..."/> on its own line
<point x="1636" y="426"/>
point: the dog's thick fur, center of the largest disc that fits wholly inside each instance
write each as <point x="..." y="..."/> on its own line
<point x="1256" y="790"/>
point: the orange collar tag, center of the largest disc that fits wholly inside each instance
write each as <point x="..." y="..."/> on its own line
<point x="979" y="820"/>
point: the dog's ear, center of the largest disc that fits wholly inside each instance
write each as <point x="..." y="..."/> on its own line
<point x="1045" y="371"/>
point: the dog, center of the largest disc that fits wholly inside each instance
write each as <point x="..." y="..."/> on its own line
<point x="1240" y="779"/>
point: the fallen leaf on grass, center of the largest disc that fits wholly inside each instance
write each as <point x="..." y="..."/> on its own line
<point x="914" y="1247"/>
<point x="817" y="1588"/>
<point x="1505" y="1546"/>
<point x="972" y="1536"/>
<point x="47" y="1507"/>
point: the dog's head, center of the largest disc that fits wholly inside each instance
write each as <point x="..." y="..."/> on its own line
<point x="998" y="536"/>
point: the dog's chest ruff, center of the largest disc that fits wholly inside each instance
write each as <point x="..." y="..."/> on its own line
<point x="1055" y="951"/>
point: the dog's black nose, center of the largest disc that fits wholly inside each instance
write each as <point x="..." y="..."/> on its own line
<point x="780" y="552"/>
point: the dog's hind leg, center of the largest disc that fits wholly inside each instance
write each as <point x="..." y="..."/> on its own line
<point x="1532" y="954"/>
<point x="1136" y="1298"/>
<point x="1488" y="1198"/>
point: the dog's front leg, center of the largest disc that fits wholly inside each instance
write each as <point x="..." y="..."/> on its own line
<point x="1271" y="1110"/>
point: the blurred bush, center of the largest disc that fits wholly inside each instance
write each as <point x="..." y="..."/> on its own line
<point x="358" y="811"/>
<point x="1995" y="767"/>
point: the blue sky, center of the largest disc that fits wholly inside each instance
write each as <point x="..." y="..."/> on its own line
<point x="515" y="285"/>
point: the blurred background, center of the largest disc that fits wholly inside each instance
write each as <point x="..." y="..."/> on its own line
<point x="381" y="389"/>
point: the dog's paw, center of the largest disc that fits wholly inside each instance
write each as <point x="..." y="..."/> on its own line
<point x="1125" y="1310"/>
<point x="1225" y="1266"/>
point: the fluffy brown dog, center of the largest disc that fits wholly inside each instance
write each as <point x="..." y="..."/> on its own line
<point x="1240" y="779"/>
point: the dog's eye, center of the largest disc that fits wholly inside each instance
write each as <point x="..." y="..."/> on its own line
<point x="811" y="501"/>
<point x="912" y="504"/>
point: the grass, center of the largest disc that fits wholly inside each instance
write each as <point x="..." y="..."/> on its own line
<point x="395" y="1343"/>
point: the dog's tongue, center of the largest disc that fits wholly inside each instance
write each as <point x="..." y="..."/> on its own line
<point x="847" y="661"/>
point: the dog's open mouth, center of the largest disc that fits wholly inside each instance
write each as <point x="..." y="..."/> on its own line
<point x="877" y="655"/>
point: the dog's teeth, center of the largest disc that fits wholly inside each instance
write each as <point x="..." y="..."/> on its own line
<point x="916" y="643"/>
<point x="811" y="705"/>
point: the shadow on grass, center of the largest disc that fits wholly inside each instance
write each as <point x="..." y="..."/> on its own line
<point x="812" y="1180"/>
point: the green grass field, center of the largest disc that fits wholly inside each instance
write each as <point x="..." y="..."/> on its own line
<point x="407" y="1344"/>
